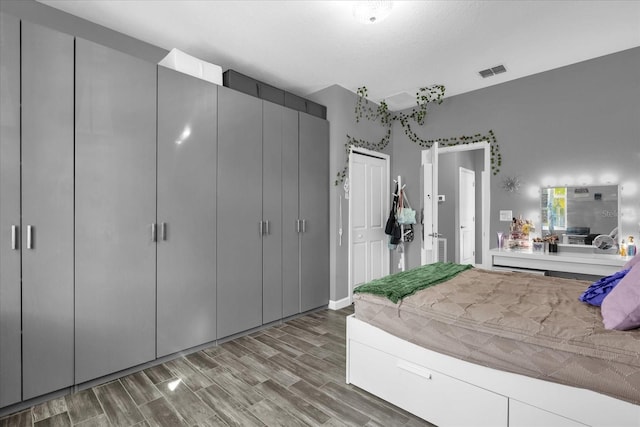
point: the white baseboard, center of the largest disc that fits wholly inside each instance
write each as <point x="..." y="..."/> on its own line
<point x="337" y="305"/>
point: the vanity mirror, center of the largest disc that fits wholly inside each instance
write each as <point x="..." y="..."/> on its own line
<point x="579" y="214"/>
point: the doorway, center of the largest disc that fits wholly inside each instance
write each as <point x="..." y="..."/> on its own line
<point x="441" y="203"/>
<point x="466" y="216"/>
<point x="368" y="210"/>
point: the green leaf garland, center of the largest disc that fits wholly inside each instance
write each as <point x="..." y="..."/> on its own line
<point x="426" y="95"/>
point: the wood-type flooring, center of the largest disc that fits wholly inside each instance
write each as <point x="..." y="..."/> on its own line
<point x="291" y="374"/>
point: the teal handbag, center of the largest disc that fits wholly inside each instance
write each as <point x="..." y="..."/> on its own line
<point x="405" y="214"/>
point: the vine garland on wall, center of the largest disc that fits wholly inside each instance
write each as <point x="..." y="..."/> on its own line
<point x="426" y="95"/>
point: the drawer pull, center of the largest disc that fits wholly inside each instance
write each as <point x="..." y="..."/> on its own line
<point x="414" y="369"/>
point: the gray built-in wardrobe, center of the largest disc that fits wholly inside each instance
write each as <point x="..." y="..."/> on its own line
<point x="144" y="212"/>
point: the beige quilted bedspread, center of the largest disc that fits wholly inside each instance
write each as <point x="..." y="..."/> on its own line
<point x="522" y="323"/>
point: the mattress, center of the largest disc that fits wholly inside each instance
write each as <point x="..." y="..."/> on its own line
<point x="517" y="322"/>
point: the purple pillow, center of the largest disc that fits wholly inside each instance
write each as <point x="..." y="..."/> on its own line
<point x="596" y="293"/>
<point x="633" y="261"/>
<point x="621" y="308"/>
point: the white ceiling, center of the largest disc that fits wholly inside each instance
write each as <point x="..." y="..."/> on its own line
<point x="305" y="46"/>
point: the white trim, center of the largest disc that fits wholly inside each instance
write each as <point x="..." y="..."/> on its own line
<point x="360" y="150"/>
<point x="386" y="158"/>
<point x="341" y="303"/>
<point x="429" y="169"/>
<point x="464" y="147"/>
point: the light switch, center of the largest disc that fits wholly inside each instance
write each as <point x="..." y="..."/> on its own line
<point x="506" y="215"/>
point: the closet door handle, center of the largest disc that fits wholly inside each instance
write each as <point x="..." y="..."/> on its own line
<point x="304" y="225"/>
<point x="153" y="232"/>
<point x="163" y="231"/>
<point x="298" y="225"/>
<point x="261" y="224"/>
<point x="267" y="227"/>
<point x="29" y="237"/>
<point x="14" y="237"/>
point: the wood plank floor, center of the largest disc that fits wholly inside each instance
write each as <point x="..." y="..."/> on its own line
<point x="291" y="374"/>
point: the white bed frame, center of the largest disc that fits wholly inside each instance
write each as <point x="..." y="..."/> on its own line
<point x="450" y="392"/>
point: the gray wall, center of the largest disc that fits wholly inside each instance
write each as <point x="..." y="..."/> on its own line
<point x="572" y="125"/>
<point x="340" y="104"/>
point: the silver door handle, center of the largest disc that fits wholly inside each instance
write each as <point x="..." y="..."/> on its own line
<point x="304" y="225"/>
<point x="261" y="224"/>
<point x="267" y="227"/>
<point x="153" y="232"/>
<point x="14" y="237"/>
<point x="297" y="225"/>
<point x="29" y="237"/>
<point x="463" y="226"/>
<point x="163" y="231"/>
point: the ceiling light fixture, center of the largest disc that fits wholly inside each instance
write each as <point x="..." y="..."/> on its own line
<point x="371" y="12"/>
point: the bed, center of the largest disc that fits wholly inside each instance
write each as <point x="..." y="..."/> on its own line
<point x="496" y="349"/>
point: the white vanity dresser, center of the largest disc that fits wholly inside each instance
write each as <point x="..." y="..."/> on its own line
<point x="566" y="260"/>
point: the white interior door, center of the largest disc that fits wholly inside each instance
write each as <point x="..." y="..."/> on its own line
<point x="429" y="251"/>
<point x="368" y="210"/>
<point x="466" y="217"/>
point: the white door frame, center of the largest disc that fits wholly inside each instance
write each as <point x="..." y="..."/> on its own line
<point x="429" y="202"/>
<point x="486" y="191"/>
<point x="386" y="158"/>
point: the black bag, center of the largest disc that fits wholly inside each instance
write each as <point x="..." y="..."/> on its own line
<point x="391" y="221"/>
<point x="408" y="233"/>
<point x="388" y="229"/>
<point x="396" y="235"/>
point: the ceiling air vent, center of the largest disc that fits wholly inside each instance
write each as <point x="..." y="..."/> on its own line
<point x="498" y="69"/>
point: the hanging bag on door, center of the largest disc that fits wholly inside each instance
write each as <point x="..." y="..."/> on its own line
<point x="388" y="229"/>
<point x="406" y="215"/>
<point x="396" y="231"/>
<point x="409" y="234"/>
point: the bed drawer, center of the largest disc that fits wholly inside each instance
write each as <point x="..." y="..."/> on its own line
<point x="523" y="415"/>
<point x="436" y="397"/>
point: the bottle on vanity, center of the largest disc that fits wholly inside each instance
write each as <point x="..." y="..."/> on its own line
<point x="631" y="247"/>
<point x="623" y="248"/>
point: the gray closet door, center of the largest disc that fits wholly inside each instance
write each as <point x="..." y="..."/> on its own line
<point x="10" y="354"/>
<point x="290" y="216"/>
<point x="272" y="138"/>
<point x="187" y="143"/>
<point x="314" y="211"/>
<point x="47" y="210"/>
<point x="239" y="249"/>
<point x="115" y="210"/>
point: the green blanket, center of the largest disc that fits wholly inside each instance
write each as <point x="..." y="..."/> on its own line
<point x="399" y="285"/>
